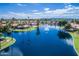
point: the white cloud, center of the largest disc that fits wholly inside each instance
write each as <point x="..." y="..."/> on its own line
<point x="50" y="11"/>
<point x="37" y="13"/>
<point x="19" y="14"/>
<point x="16" y="15"/>
<point x="46" y="9"/>
<point x="34" y="10"/>
<point x="19" y="4"/>
<point x="69" y="12"/>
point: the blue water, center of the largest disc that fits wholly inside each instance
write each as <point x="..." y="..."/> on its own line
<point x="45" y="42"/>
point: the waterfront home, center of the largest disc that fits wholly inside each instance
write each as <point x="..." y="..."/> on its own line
<point x="74" y="25"/>
<point x="14" y="24"/>
<point x="2" y="24"/>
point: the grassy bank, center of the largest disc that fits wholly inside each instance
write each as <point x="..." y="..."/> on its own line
<point x="26" y="29"/>
<point x="76" y="41"/>
<point x="75" y="36"/>
<point x="8" y="41"/>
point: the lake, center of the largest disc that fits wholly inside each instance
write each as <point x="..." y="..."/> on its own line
<point x="44" y="41"/>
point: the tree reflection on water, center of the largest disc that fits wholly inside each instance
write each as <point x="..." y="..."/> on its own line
<point x="28" y="38"/>
<point x="38" y="31"/>
<point x="63" y="35"/>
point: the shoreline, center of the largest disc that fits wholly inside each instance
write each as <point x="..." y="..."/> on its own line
<point x="10" y="41"/>
<point x="74" y="45"/>
<point x="26" y="29"/>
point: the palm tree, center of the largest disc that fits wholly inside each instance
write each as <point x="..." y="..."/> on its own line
<point x="28" y="33"/>
<point x="45" y="21"/>
<point x="42" y="22"/>
<point x="67" y="27"/>
<point x="2" y="19"/>
<point x="38" y="23"/>
<point x="55" y="23"/>
<point x="13" y="18"/>
<point x="7" y="30"/>
<point x="59" y="24"/>
<point x="51" y="23"/>
<point x="29" y="23"/>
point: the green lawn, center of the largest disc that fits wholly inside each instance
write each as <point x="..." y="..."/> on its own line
<point x="8" y="41"/>
<point x="76" y="41"/>
<point x="75" y="36"/>
<point x="26" y="29"/>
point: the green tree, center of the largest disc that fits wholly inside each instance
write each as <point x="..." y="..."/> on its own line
<point x="13" y="18"/>
<point x="2" y="19"/>
<point x="68" y="26"/>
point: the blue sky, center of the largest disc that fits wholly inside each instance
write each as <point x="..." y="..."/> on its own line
<point x="39" y="10"/>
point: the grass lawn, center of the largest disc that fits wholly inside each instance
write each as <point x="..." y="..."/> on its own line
<point x="8" y="41"/>
<point x="75" y="36"/>
<point x="76" y="41"/>
<point x="62" y="27"/>
<point x="26" y="29"/>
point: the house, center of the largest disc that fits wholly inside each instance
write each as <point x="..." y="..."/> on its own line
<point x="74" y="25"/>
